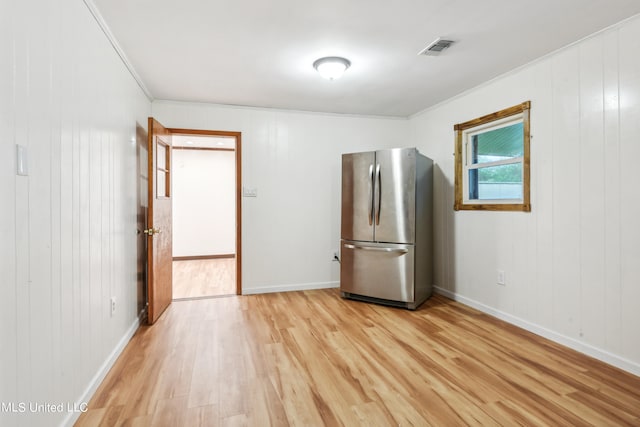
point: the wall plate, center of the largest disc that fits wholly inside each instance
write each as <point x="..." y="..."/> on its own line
<point x="249" y="192"/>
<point x="22" y="160"/>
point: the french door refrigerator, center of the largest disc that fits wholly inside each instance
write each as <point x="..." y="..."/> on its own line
<point x="386" y="227"/>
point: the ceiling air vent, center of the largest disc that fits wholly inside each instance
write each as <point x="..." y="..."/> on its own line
<point x="436" y="47"/>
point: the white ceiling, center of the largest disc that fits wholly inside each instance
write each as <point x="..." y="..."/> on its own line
<point x="260" y="53"/>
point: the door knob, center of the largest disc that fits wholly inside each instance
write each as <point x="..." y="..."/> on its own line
<point x="152" y="231"/>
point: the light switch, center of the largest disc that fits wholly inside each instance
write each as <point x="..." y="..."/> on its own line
<point x="250" y="192"/>
<point x="22" y="160"/>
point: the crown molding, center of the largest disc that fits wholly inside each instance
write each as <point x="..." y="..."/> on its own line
<point x="116" y="46"/>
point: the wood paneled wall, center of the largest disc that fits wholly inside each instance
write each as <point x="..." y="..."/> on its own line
<point x="67" y="230"/>
<point x="292" y="228"/>
<point x="571" y="264"/>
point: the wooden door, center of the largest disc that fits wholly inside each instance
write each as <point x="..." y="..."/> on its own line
<point x="159" y="252"/>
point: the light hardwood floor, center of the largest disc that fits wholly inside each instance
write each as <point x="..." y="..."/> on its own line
<point x="204" y="278"/>
<point x="313" y="359"/>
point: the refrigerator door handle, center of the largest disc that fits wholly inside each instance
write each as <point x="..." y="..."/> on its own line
<point x="376" y="249"/>
<point x="379" y="190"/>
<point x="370" y="195"/>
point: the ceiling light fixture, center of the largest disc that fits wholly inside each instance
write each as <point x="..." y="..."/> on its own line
<point x="331" y="67"/>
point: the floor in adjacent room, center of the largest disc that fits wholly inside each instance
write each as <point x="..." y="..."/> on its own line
<point x="204" y="278"/>
<point x="311" y="358"/>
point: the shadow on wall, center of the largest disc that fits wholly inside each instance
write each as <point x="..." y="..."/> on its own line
<point x="444" y="232"/>
<point x="142" y="205"/>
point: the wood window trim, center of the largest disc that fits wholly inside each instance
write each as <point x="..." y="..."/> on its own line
<point x="459" y="204"/>
<point x="166" y="170"/>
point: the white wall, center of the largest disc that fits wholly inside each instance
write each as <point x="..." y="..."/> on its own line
<point x="67" y="231"/>
<point x="204" y="202"/>
<point x="572" y="264"/>
<point x="289" y="232"/>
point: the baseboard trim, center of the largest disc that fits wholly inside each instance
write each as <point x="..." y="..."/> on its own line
<point x="595" y="352"/>
<point x="197" y="257"/>
<point x="97" y="379"/>
<point x="290" y="288"/>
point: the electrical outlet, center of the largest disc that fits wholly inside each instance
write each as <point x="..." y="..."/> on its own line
<point x="113" y="305"/>
<point x="336" y="255"/>
<point x="501" y="278"/>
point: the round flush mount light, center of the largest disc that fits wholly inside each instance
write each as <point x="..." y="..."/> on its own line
<point x="331" y="67"/>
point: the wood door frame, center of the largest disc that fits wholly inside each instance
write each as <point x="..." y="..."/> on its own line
<point x="238" y="192"/>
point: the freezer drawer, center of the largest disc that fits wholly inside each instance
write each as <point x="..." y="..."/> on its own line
<point x="376" y="270"/>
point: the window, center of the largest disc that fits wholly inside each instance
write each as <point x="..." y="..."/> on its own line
<point x="492" y="161"/>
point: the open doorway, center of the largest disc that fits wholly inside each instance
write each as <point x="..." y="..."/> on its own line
<point x="206" y="214"/>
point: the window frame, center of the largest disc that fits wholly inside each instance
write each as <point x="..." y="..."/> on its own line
<point x="485" y="123"/>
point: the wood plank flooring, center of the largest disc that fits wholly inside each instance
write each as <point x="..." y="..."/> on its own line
<point x="204" y="278"/>
<point x="313" y="359"/>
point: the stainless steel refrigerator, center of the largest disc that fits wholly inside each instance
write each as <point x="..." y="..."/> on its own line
<point x="386" y="241"/>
